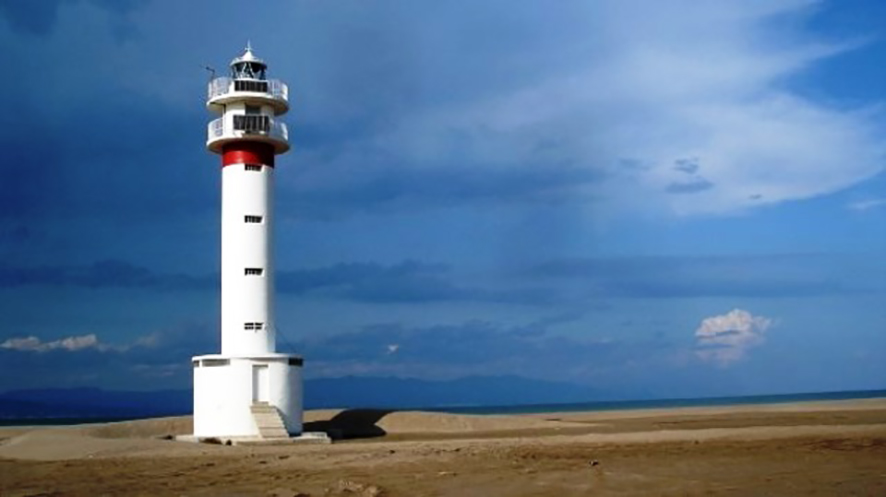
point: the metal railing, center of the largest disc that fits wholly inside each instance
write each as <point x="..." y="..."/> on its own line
<point x="267" y="126"/>
<point x="216" y="128"/>
<point x="251" y="123"/>
<point x="224" y="85"/>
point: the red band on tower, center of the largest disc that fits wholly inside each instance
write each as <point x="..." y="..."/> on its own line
<point x="246" y="152"/>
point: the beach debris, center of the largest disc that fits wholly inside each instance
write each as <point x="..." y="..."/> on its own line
<point x="286" y="492"/>
<point x="348" y="487"/>
<point x="373" y="491"/>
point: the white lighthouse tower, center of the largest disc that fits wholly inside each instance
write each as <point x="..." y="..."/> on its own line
<point x="249" y="390"/>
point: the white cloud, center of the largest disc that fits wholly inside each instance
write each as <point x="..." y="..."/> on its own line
<point x="726" y="338"/>
<point x="72" y="344"/>
<point x="661" y="82"/>
<point x="865" y="205"/>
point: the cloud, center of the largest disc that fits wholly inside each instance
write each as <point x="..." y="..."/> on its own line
<point x="866" y="205"/>
<point x="70" y="344"/>
<point x="558" y="281"/>
<point x="394" y="118"/>
<point x="760" y="276"/>
<point x="493" y="120"/>
<point x="36" y="18"/>
<point x="77" y="343"/>
<point x="407" y="281"/>
<point x="726" y="339"/>
<point x="385" y="184"/>
<point x="39" y="18"/>
<point x="688" y="166"/>
<point x="161" y="357"/>
<point x="101" y="274"/>
<point x="473" y="347"/>
<point x="694" y="186"/>
<point x="633" y="83"/>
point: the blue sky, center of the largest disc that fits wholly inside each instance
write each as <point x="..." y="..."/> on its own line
<point x="667" y="198"/>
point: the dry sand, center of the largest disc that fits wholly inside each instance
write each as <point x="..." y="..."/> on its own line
<point x="823" y="448"/>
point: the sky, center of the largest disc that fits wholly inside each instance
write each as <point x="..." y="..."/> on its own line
<point x="658" y="199"/>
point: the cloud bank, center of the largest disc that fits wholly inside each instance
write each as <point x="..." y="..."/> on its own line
<point x="692" y="108"/>
<point x="70" y="344"/>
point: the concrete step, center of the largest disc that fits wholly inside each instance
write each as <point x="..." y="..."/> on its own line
<point x="268" y="421"/>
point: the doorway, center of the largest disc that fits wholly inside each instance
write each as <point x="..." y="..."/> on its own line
<point x="260" y="385"/>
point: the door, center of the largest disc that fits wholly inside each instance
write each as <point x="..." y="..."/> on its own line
<point x="260" y="383"/>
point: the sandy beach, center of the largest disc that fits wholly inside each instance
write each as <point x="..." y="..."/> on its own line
<point x="820" y="448"/>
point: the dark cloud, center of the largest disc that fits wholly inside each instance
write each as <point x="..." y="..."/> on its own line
<point x="102" y="274"/>
<point x="695" y="186"/>
<point x="38" y="18"/>
<point x="97" y="161"/>
<point x="688" y="166"/>
<point x="473" y="347"/>
<point x="408" y="281"/>
<point x="25" y="16"/>
<point x="727" y="276"/>
<point x="551" y="283"/>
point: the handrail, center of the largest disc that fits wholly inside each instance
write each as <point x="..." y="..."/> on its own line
<point x="223" y="85"/>
<point x="217" y="128"/>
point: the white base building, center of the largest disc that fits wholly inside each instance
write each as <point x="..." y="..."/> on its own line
<point x="226" y="389"/>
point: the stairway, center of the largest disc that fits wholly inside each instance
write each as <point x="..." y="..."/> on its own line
<point x="267" y="419"/>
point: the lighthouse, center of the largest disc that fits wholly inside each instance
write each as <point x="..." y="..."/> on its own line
<point x="249" y="390"/>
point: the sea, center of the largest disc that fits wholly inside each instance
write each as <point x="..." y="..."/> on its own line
<point x="621" y="405"/>
<point x="618" y="405"/>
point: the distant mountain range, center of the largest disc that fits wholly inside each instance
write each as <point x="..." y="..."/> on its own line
<point x="345" y="392"/>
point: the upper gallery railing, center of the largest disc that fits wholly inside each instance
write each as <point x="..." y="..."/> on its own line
<point x="224" y="85"/>
<point x="248" y="124"/>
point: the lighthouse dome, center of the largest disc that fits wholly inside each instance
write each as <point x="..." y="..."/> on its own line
<point x="248" y="66"/>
